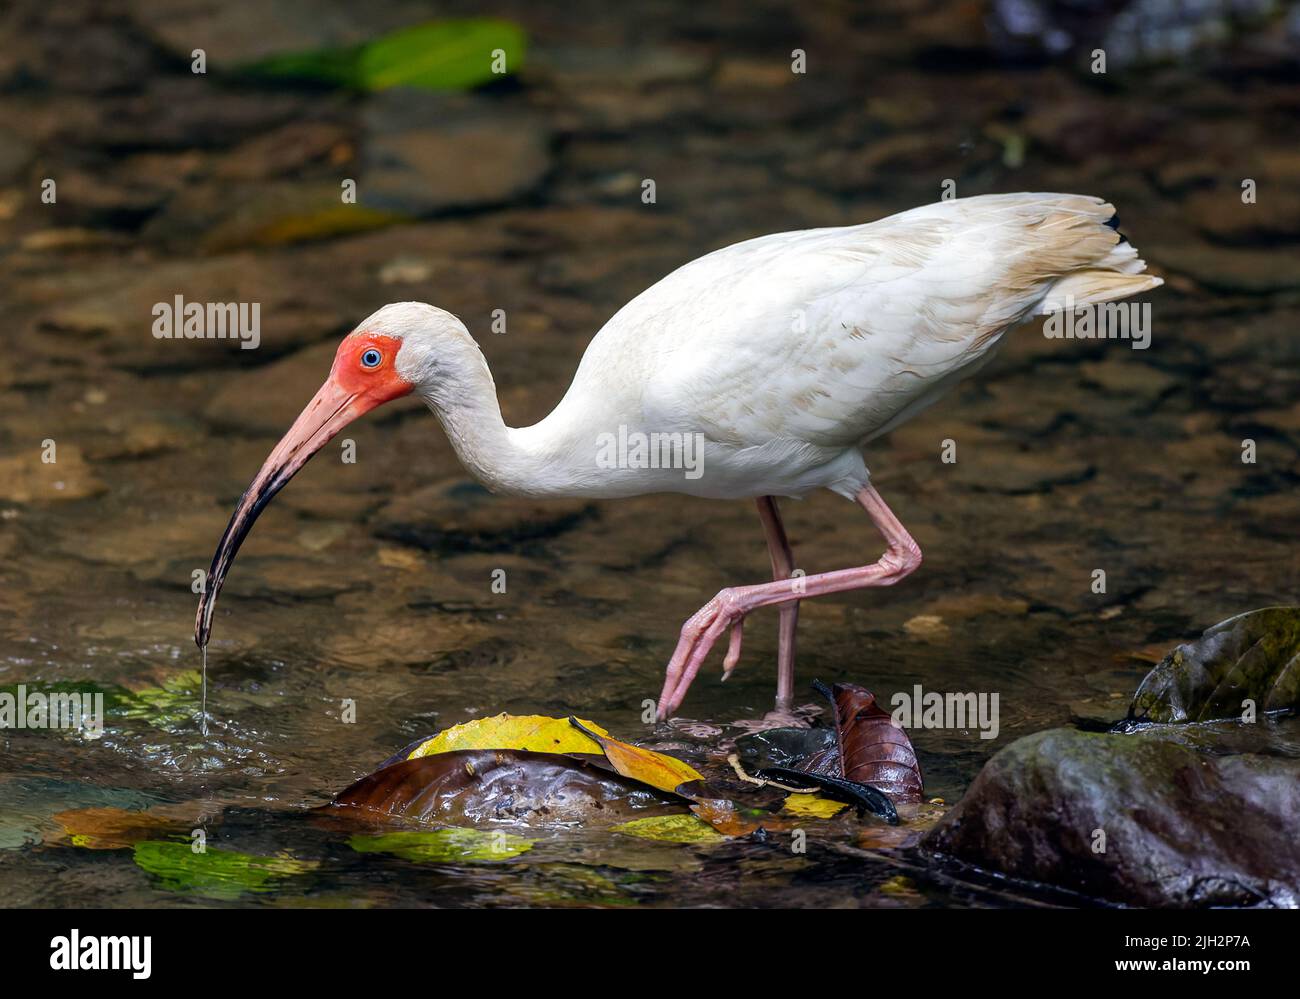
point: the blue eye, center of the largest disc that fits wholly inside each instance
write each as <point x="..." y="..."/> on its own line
<point x="371" y="358"/>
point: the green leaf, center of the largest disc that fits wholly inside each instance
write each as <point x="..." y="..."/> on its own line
<point x="169" y="706"/>
<point x="671" y="829"/>
<point x="219" y="874"/>
<point x="445" y="846"/>
<point x="439" y="55"/>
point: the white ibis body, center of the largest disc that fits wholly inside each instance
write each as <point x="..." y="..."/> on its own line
<point x="774" y="360"/>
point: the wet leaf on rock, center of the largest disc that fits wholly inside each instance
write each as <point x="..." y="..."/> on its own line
<point x="1253" y="656"/>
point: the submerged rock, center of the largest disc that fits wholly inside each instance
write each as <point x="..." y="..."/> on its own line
<point x="1184" y="816"/>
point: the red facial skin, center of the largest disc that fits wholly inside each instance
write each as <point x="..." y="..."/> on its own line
<point x="370" y="387"/>
<point x="352" y="390"/>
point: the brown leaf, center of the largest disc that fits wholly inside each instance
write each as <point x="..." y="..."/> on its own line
<point x="873" y="750"/>
<point x="733" y="821"/>
<point x="492" y="785"/>
<point x="115" y="828"/>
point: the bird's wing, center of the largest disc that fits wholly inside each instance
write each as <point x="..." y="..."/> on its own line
<point x="832" y="336"/>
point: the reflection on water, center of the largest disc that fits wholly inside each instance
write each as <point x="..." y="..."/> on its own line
<point x="370" y="583"/>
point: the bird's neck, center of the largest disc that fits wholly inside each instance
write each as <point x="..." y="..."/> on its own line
<point x="463" y="396"/>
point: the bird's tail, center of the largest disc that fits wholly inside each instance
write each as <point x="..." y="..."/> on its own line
<point x="1110" y="267"/>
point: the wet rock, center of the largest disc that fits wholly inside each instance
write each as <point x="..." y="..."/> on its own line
<point x="140" y="435"/>
<point x="179" y="112"/>
<point x="74" y="47"/>
<point x="1187" y="821"/>
<point x="1222" y="216"/>
<point x="267" y="399"/>
<point x="459" y="515"/>
<point x="286" y="150"/>
<point x="1252" y="657"/>
<point x="427" y="153"/>
<point x="1238" y="270"/>
<point x="15" y="153"/>
<point x="114" y="315"/>
<point x="155" y="539"/>
<point x="25" y="478"/>
<point x="232" y="35"/>
<point x="90" y="199"/>
<point x="614" y="87"/>
<point x="1007" y="470"/>
<point x="1128" y="377"/>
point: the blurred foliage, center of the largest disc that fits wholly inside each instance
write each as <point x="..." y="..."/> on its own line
<point x="440" y="55"/>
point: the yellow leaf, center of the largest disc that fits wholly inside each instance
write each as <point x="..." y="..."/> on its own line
<point x="666" y="773"/>
<point x="531" y="733"/>
<point x="671" y="829"/>
<point x="812" y="804"/>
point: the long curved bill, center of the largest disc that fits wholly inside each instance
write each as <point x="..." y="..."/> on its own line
<point x="330" y="410"/>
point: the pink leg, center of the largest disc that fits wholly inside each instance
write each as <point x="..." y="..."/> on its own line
<point x="778" y="547"/>
<point x="729" y="607"/>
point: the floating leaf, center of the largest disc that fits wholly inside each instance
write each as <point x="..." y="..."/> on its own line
<point x="1254" y="656"/>
<point x="219" y="874"/>
<point x="530" y="733"/>
<point x="439" y="55"/>
<point x="445" y="846"/>
<point x="667" y="773"/>
<point x="671" y="829"/>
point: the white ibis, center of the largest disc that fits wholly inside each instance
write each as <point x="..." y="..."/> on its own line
<point x="781" y="357"/>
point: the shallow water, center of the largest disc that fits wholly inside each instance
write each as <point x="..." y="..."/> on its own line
<point x="371" y="582"/>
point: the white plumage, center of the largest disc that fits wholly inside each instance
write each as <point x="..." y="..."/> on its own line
<point x="787" y="352"/>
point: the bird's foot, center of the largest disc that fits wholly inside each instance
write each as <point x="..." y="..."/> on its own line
<point x="800" y="717"/>
<point x="699" y="634"/>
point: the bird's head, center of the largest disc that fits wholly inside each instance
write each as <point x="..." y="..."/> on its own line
<point x="387" y="356"/>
